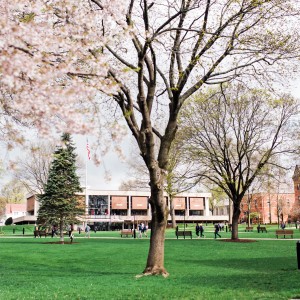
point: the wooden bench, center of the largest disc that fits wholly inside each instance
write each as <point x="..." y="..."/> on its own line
<point x="183" y="233"/>
<point x="249" y="228"/>
<point x="285" y="232"/>
<point x="126" y="233"/>
<point x="261" y="229"/>
<point x="40" y="233"/>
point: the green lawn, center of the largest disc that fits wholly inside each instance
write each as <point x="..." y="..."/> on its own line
<point x="105" y="268"/>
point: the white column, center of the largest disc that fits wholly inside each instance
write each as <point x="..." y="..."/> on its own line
<point x="206" y="211"/>
<point x="129" y="207"/>
<point x="187" y="212"/>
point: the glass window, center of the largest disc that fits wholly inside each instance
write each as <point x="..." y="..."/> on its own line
<point x="98" y="205"/>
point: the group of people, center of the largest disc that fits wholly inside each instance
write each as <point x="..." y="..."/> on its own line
<point x="200" y="230"/>
<point x="142" y="230"/>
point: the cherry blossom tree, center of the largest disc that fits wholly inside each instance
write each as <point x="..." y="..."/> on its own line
<point x="52" y="63"/>
<point x="149" y="57"/>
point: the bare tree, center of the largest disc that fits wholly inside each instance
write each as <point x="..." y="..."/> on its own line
<point x="176" y="49"/>
<point x="240" y="132"/>
<point x="33" y="169"/>
<point x="217" y="200"/>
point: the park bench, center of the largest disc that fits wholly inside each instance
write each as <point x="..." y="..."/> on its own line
<point x="284" y="233"/>
<point x="249" y="228"/>
<point x="261" y="229"/>
<point x="183" y="233"/>
<point x="126" y="232"/>
<point x="40" y="233"/>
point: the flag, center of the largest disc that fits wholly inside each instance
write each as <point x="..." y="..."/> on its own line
<point x="88" y="150"/>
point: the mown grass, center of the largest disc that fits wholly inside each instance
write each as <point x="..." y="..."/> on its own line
<point x="105" y="268"/>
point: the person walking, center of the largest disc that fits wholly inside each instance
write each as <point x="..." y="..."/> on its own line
<point x="144" y="230"/>
<point x="70" y="229"/>
<point x="217" y="228"/>
<point x="140" y="230"/>
<point x="87" y="231"/>
<point x="201" y="230"/>
<point x="53" y="231"/>
<point x="197" y="228"/>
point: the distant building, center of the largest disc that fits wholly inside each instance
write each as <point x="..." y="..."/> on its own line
<point x="273" y="207"/>
<point x="106" y="209"/>
<point x="14" y="211"/>
<point x="267" y="207"/>
<point x="295" y="214"/>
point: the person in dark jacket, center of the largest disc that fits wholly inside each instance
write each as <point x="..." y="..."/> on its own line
<point x="217" y="228"/>
<point x="197" y="228"/>
<point x="201" y="229"/>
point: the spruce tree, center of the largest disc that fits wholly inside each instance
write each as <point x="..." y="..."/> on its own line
<point x="59" y="204"/>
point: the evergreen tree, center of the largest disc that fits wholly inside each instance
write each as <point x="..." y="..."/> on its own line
<point x="59" y="204"/>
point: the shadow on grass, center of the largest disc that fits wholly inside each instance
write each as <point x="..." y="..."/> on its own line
<point x="273" y="274"/>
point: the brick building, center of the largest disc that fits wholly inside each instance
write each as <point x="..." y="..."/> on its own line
<point x="267" y="207"/>
<point x="295" y="213"/>
<point x="273" y="207"/>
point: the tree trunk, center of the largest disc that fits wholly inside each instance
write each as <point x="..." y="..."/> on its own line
<point x="61" y="229"/>
<point x="172" y="213"/>
<point x="155" y="261"/>
<point x="249" y="219"/>
<point x="235" y="221"/>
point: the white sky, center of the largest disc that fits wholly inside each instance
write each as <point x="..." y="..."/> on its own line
<point x="111" y="163"/>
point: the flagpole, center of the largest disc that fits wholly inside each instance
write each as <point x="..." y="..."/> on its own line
<point x="86" y="193"/>
<point x="86" y="181"/>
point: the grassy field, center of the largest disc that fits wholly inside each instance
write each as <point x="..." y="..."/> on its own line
<point x="105" y="268"/>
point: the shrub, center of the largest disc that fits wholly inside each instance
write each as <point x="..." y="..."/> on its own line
<point x="9" y="221"/>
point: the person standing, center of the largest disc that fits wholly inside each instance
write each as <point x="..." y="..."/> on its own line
<point x="87" y="231"/>
<point x="217" y="228"/>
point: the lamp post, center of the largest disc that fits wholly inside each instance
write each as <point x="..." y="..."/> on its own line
<point x="134" y="232"/>
<point x="270" y="218"/>
<point x="184" y="221"/>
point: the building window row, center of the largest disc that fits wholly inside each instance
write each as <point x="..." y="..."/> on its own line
<point x="119" y="205"/>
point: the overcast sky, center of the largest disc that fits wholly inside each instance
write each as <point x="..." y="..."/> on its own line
<point x="111" y="163"/>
